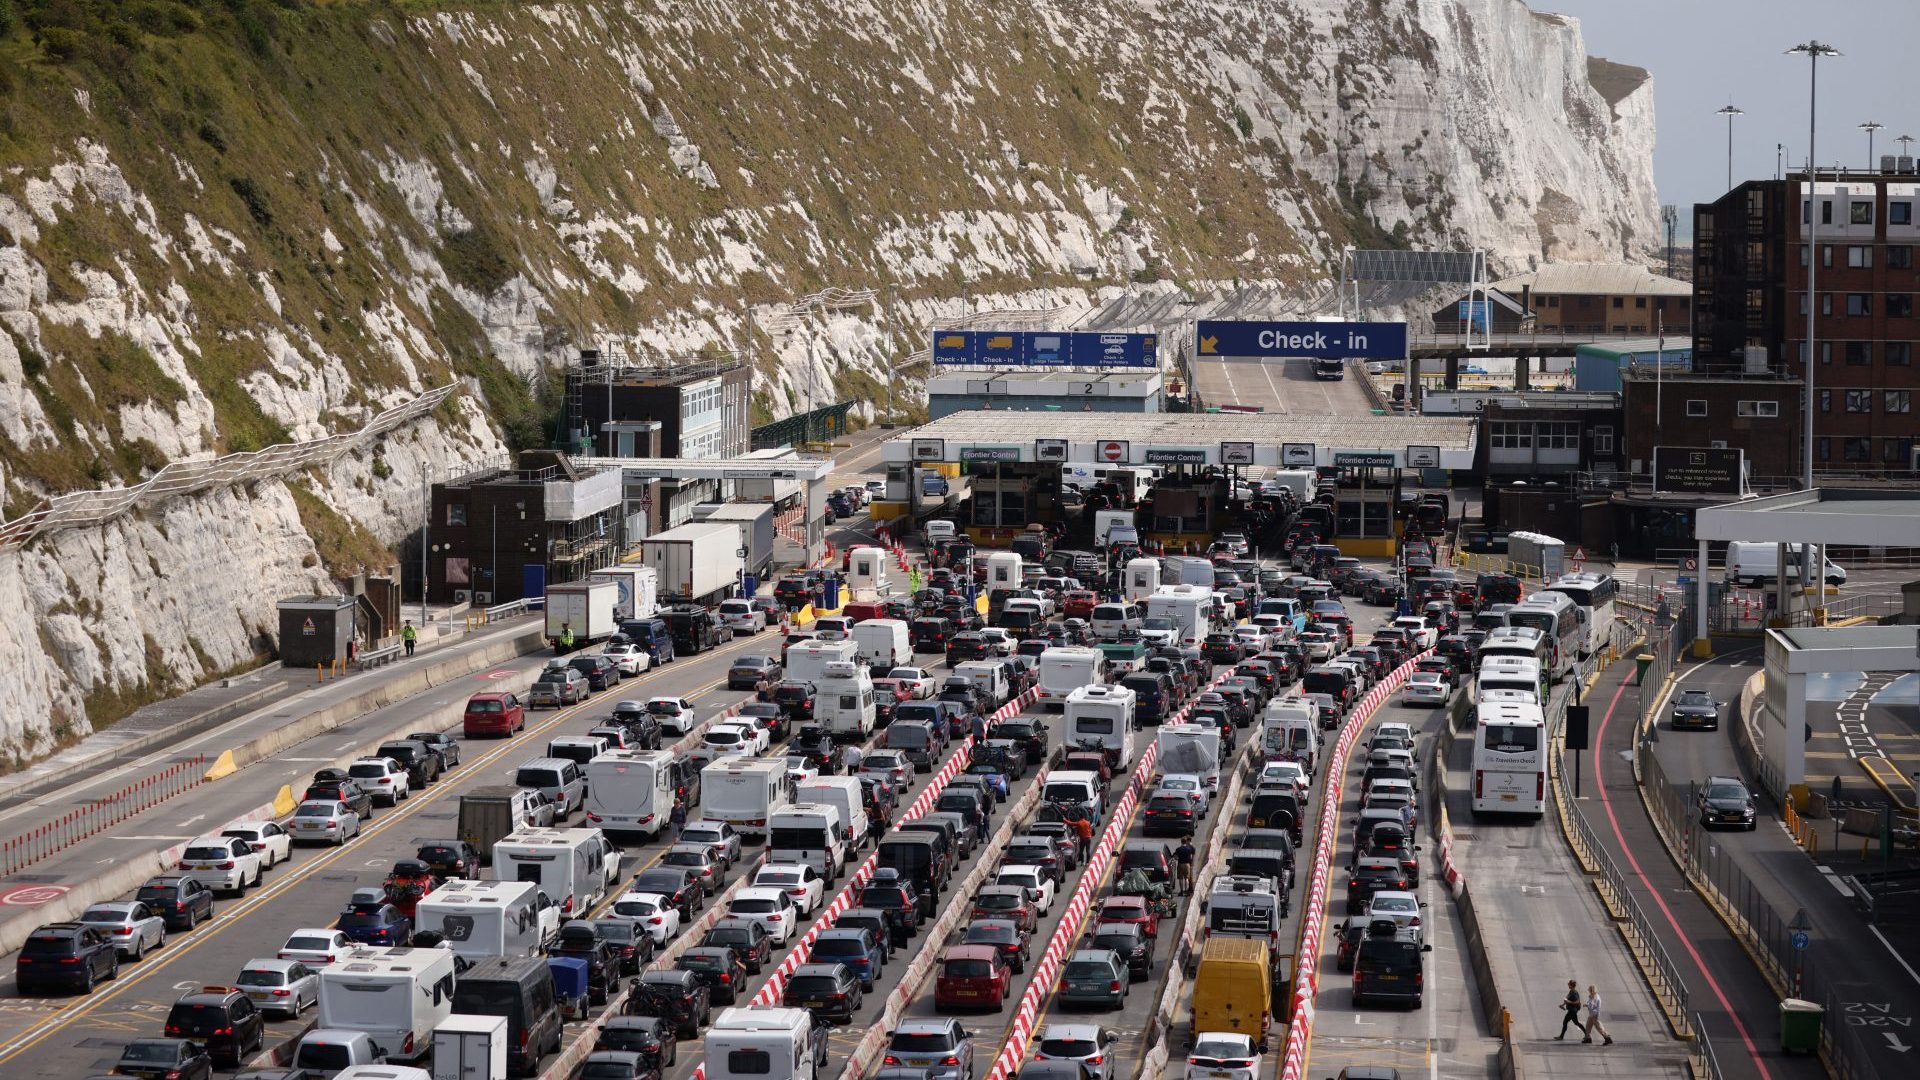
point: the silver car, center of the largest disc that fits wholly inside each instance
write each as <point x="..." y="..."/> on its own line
<point x="281" y="987"/>
<point x="320" y="822"/>
<point x="930" y="1043"/>
<point x="130" y="924"/>
<point x="1088" y="1044"/>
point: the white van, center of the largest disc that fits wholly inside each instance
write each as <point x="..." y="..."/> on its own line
<point x="578" y="749"/>
<point x="1759" y="564"/>
<point x="763" y="1043"/>
<point x="843" y="701"/>
<point x="883" y="643"/>
<point x="575" y="867"/>
<point x="481" y="919"/>
<point x="813" y="834"/>
<point x="1066" y="668"/>
<point x="843" y="793"/>
<point x="630" y="791"/>
<point x="396" y="996"/>
<point x="1110" y="619"/>
<point x="1193" y="749"/>
<point x="1101" y="716"/>
<point x="988" y="675"/>
<point x="1291" y="725"/>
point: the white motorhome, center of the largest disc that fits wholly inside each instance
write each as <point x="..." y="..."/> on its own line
<point x="1244" y="905"/>
<point x="396" y="996"/>
<point x="761" y="1043"/>
<point x="1141" y="578"/>
<point x="1189" y="606"/>
<point x="575" y="867"/>
<point x="1004" y="570"/>
<point x="1066" y="668"/>
<point x="630" y="791"/>
<point x="481" y="919"/>
<point x="745" y="792"/>
<point x="808" y="660"/>
<point x="883" y="643"/>
<point x="843" y="701"/>
<point x="1102" y="716"/>
<point x="1291" y="725"/>
<point x="812" y="833"/>
<point x="843" y="793"/>
<point x="1193" y="749"/>
<point x="988" y="675"/>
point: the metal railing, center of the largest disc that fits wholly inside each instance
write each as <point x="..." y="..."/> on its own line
<point x="88" y="509"/>
<point x="99" y="815"/>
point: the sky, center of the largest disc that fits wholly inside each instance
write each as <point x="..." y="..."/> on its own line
<point x="1706" y="53"/>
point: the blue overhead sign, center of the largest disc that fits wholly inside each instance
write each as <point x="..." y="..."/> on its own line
<point x="1319" y="340"/>
<point x="1009" y="348"/>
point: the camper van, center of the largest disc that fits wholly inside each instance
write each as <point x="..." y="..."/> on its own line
<point x="1759" y="564"/>
<point x="630" y="791"/>
<point x="396" y="996"/>
<point x="1004" y="570"/>
<point x="814" y="834"/>
<point x="808" y="660"/>
<point x="479" y="919"/>
<point x="843" y="700"/>
<point x="1291" y="725"/>
<point x="575" y="867"/>
<point x="1102" y="716"/>
<point x="764" y="1043"/>
<point x="1141" y="579"/>
<point x="1189" y="606"/>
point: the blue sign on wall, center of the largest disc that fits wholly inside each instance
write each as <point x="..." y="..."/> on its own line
<point x="1008" y="348"/>
<point x="1321" y="340"/>
<point x="1476" y="313"/>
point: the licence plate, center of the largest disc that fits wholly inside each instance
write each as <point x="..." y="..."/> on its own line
<point x="259" y="995"/>
<point x="966" y="993"/>
<point x="1388" y="978"/>
<point x="1509" y="798"/>
<point x="1221" y="1075"/>
<point x="816" y="1005"/>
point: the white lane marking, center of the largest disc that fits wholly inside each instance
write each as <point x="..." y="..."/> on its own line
<point x="1833" y="879"/>
<point x="1894" y="952"/>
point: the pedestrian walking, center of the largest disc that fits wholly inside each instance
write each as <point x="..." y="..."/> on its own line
<point x="678" y="819"/>
<point x="979" y="729"/>
<point x="1593" y="1017"/>
<point x="409" y="636"/>
<point x="851" y="757"/>
<point x="564" y="644"/>
<point x="1183" y="863"/>
<point x="1572" y="1004"/>
<point x="1406" y="816"/>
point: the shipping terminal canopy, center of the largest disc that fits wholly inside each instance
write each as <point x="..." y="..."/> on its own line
<point x="1273" y="440"/>
<point x="748" y="468"/>
<point x="1870" y="517"/>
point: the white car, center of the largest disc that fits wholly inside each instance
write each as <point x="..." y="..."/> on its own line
<point x="315" y="948"/>
<point x="1255" y="638"/>
<point x="222" y="862"/>
<point x="383" y="778"/>
<point x="741" y="617"/>
<point x="1223" y="1055"/>
<point x="800" y="881"/>
<point x="272" y="842"/>
<point x="282" y="987"/>
<point x="1402" y="907"/>
<point x="1426" y="688"/>
<point x="1394" y="729"/>
<point x="915" y="681"/>
<point x="729" y="740"/>
<point x="674" y="714"/>
<point x="631" y="659"/>
<point x="772" y="908"/>
<point x="1034" y="879"/>
<point x="1189" y="785"/>
<point x="1285" y="774"/>
<point x="133" y="927"/>
<point x="1236" y="542"/>
<point x="1416" y="627"/>
<point x="1276" y="626"/>
<point x="1319" y="646"/>
<point x="999" y="641"/>
<point x="651" y="912"/>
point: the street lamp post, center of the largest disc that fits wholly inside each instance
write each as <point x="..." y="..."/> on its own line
<point x="1813" y="51"/>
<point x="1906" y="145"/>
<point x="1730" y="112"/>
<point x="1870" y="127"/>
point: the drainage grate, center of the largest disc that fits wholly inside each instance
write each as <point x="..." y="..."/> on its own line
<point x="102" y="1044"/>
<point x="1539" y="948"/>
<point x="1463" y="837"/>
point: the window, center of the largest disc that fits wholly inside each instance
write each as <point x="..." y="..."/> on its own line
<point x="1826" y="303"/>
<point x="1900" y="305"/>
<point x="1509" y="435"/>
<point x="1858" y="353"/>
<point x="456" y="514"/>
<point x="749" y="1062"/>
<point x="1859" y="258"/>
<point x="1896" y="451"/>
<point x="1899" y="213"/>
<point x="1603" y="439"/>
<point x="1762" y="409"/>
<point x="1897" y="401"/>
<point x="1619" y="302"/>
<point x="1823" y="448"/>
<point x="1859" y="304"/>
<point x="1826" y="352"/>
<point x="1860" y="213"/>
<point x="1859" y="401"/>
<point x="1559" y="436"/>
<point x="1856" y="448"/>
<point x="1900" y="257"/>
<point x="1640" y="301"/>
<point x="1826" y="256"/>
<point x="1696" y="407"/>
<point x="1826" y="401"/>
<point x="1898" y="352"/>
<point x="1553" y="301"/>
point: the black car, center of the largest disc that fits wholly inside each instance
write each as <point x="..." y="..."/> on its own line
<point x="1028" y="733"/>
<point x="370" y="920"/>
<point x="65" y="956"/>
<point x="1005" y="756"/>
<point x="616" y="1065"/>
<point x="831" y="992"/>
<point x="450" y="859"/>
<point x="1389" y="965"/>
<point x="680" y="887"/>
<point x="745" y="937"/>
<point x="967" y="646"/>
<point x="1129" y="941"/>
<point x="223" y="1020"/>
<point x="757" y="673"/>
<point x="900" y="898"/>
<point x="164" y="1059"/>
<point x="794" y="592"/>
<point x="342" y="790"/>
<point x="578" y="940"/>
<point x="422" y="764"/>
<point x="179" y="900"/>
<point x="719" y="968"/>
<point x="1371" y="874"/>
<point x="795" y="698"/>
<point x="647" y="1036"/>
<point x="1696" y="709"/>
<point x="678" y="996"/>
<point x="442" y="744"/>
<point x="1725" y="802"/>
<point x="631" y="943"/>
<point x="1007" y="935"/>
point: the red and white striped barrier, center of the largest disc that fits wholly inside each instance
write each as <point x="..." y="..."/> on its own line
<point x="1306" y="979"/>
<point x="1447" y="868"/>
<point x="1027" y="1014"/>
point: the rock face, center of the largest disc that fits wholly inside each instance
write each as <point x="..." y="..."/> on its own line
<point x="231" y="226"/>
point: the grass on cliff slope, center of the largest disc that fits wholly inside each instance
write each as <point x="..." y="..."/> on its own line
<point x="344" y="545"/>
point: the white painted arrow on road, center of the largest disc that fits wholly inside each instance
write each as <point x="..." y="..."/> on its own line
<point x="1894" y="1042"/>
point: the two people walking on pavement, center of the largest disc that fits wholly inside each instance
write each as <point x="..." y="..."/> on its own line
<point x="1572" y="1004"/>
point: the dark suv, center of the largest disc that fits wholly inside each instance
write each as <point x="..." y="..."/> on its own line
<point x="65" y="956"/>
<point x="600" y="671"/>
<point x="223" y="1020"/>
<point x="1390" y="965"/>
<point x="180" y="900"/>
<point x="678" y="996"/>
<point x="578" y="940"/>
<point x="423" y="765"/>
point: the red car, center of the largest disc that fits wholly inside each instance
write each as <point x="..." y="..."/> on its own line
<point x="1078" y="604"/>
<point x="1130" y="909"/>
<point x="972" y="976"/>
<point x="499" y="714"/>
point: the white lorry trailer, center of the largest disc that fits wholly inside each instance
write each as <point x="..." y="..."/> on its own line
<point x="639" y="596"/>
<point x="588" y="608"/>
<point x="697" y="561"/>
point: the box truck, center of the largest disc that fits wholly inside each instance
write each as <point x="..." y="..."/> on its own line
<point x="469" y="1047"/>
<point x="587" y="607"/>
<point x="754" y="521"/>
<point x="396" y="996"/>
<point x="639" y="588"/>
<point x="481" y="919"/>
<point x="697" y="561"/>
<point x="745" y="792"/>
<point x="630" y="791"/>
<point x="575" y="867"/>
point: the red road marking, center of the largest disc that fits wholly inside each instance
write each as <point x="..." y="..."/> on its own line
<point x="1606" y="803"/>
<point x="502" y="673"/>
<point x="33" y="895"/>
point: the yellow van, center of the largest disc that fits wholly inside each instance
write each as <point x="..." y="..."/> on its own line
<point x="1233" y="991"/>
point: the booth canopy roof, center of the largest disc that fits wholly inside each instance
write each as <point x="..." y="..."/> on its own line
<point x="1867" y="518"/>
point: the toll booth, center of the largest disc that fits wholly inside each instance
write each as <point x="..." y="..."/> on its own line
<point x="1363" y="510"/>
<point x="315" y="629"/>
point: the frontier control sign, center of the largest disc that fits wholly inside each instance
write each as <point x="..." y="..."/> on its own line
<point x="1318" y="340"/>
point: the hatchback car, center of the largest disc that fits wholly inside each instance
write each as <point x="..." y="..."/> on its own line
<point x="1089" y="1044"/>
<point x="284" y="988"/>
<point x="1007" y="902"/>
<point x="747" y="938"/>
<point x="65" y="956"/>
<point x="499" y="714"/>
<point x="183" y="902"/>
<point x="1133" y="910"/>
<point x="1127" y="941"/>
<point x="1427" y="688"/>
<point x="133" y="927"/>
<point x="673" y="714"/>
<point x="772" y="908"/>
<point x="370" y="920"/>
<point x="643" y="1035"/>
<point x="1094" y="977"/>
<point x="1006" y="935"/>
<point x="557" y="688"/>
<point x="972" y="977"/>
<point x="222" y="863"/>
<point x="679" y="997"/>
<point x="718" y="837"/>
<point x="860" y="950"/>
<point x="1223" y="1055"/>
<point x="164" y="1059"/>
<point x="830" y="991"/>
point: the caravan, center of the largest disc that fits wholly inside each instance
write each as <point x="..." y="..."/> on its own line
<point x="1141" y="578"/>
<point x="764" y="1043"/>
<point x="745" y="792"/>
<point x="479" y="919"/>
<point x="1101" y="718"/>
<point x="1192" y="749"/>
<point x="395" y="996"/>
<point x="575" y="867"/>
<point x="630" y="791"/>
<point x="1190" y="607"/>
<point x="843" y="702"/>
<point x="808" y="661"/>
<point x="1066" y="668"/>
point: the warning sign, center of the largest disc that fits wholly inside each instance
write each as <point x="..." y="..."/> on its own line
<point x="306" y="628"/>
<point x="1579" y="554"/>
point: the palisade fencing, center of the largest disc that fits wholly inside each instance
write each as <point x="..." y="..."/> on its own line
<point x="98" y="815"/>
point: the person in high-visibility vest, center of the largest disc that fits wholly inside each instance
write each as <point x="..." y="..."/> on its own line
<point x="565" y="644"/>
<point x="409" y="636"/>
